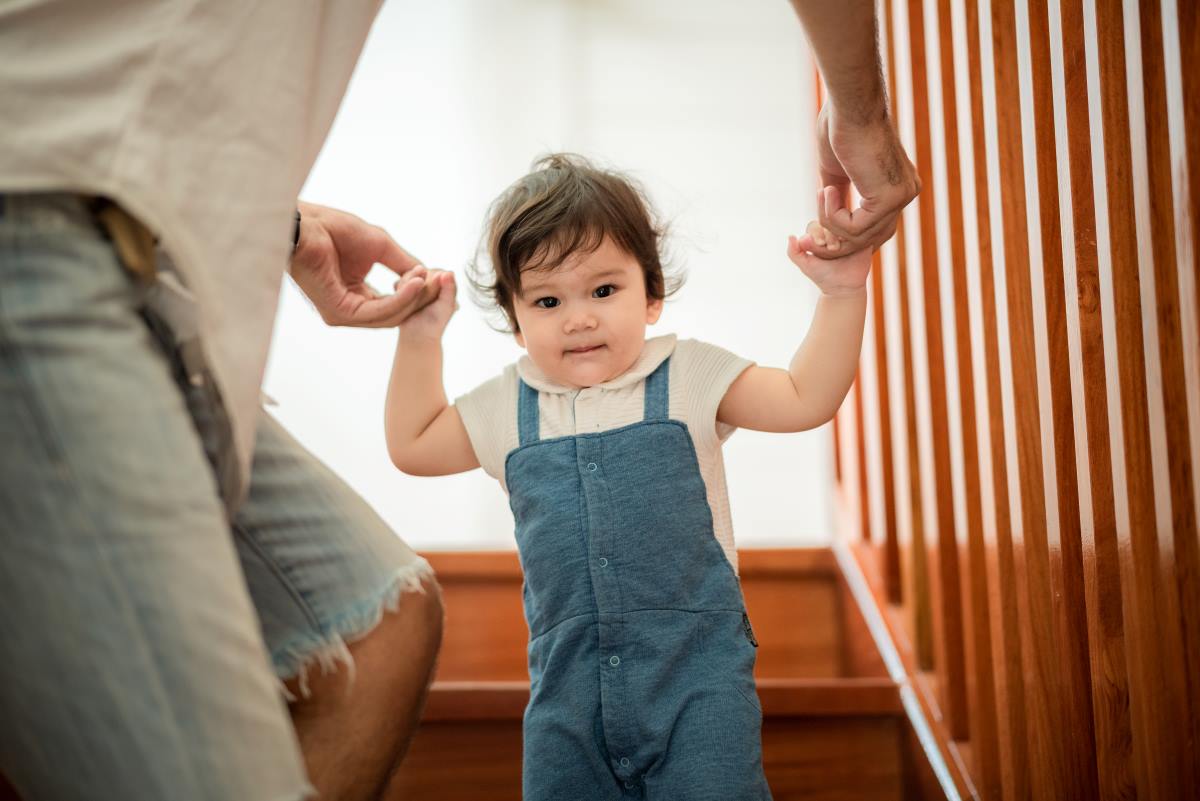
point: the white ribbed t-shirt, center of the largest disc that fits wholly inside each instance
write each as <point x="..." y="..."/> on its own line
<point x="699" y="376"/>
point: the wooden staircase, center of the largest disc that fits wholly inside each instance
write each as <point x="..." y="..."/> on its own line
<point x="834" y="726"/>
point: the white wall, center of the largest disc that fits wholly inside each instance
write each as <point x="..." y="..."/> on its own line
<point x="708" y="104"/>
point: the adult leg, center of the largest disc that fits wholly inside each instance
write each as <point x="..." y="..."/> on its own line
<point x="355" y="731"/>
<point x="351" y="615"/>
<point x="131" y="661"/>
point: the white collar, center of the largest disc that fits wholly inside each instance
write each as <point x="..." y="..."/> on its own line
<point x="654" y="352"/>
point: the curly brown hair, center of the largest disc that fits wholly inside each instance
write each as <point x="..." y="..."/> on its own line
<point x="565" y="205"/>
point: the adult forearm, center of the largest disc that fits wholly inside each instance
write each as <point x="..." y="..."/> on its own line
<point x="415" y="395"/>
<point x="824" y="365"/>
<point x="843" y="38"/>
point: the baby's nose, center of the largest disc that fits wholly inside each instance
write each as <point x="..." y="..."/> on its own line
<point x="579" y="322"/>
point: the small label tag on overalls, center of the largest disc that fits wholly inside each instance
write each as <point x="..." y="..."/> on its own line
<point x="748" y="631"/>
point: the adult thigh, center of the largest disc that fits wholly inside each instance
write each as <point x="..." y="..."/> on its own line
<point x="131" y="663"/>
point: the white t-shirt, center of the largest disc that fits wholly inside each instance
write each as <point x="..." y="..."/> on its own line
<point x="699" y="376"/>
<point x="201" y="118"/>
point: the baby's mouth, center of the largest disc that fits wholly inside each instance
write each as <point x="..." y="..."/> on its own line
<point x="583" y="350"/>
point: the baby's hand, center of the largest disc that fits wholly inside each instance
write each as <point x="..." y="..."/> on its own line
<point x="430" y="321"/>
<point x="846" y="275"/>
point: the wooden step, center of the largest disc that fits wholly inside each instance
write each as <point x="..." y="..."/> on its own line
<point x="834" y="727"/>
<point x="822" y="739"/>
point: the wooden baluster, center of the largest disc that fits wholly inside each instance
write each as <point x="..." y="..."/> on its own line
<point x="1101" y="559"/>
<point x="914" y="572"/>
<point x="1064" y="540"/>
<point x="956" y="86"/>
<point x="993" y="462"/>
<point x="860" y="442"/>
<point x="941" y="544"/>
<point x="891" y="542"/>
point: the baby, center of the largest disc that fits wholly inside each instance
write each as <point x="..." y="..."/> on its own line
<point x="641" y="656"/>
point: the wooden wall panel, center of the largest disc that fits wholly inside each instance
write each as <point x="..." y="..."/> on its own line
<point x="1057" y="141"/>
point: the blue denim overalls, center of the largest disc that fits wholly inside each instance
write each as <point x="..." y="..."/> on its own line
<point x="641" y="657"/>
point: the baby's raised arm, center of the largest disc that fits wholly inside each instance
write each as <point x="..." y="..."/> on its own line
<point x="810" y="391"/>
<point x="425" y="434"/>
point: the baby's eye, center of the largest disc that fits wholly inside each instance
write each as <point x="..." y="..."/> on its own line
<point x="546" y="303"/>
<point x="604" y="291"/>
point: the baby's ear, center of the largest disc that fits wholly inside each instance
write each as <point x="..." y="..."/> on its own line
<point x="654" y="309"/>
<point x="517" y="335"/>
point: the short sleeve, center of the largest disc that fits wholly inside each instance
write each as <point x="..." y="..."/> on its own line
<point x="704" y="373"/>
<point x="489" y="414"/>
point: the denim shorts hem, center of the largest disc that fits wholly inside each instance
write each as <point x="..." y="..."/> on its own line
<point x="296" y="657"/>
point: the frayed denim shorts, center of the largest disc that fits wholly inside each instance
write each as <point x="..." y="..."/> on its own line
<point x="145" y="633"/>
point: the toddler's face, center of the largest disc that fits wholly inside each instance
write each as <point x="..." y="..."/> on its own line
<point x="584" y="322"/>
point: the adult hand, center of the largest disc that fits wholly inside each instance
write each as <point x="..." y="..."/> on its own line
<point x="863" y="150"/>
<point x="336" y="251"/>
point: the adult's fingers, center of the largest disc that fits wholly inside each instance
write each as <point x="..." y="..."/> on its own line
<point x="837" y="218"/>
<point x="836" y="245"/>
<point x="391" y="310"/>
<point x="394" y="257"/>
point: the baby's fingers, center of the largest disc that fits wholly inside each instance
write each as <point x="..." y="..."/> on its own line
<point x="823" y="237"/>
<point x="800" y="255"/>
<point x="817" y="239"/>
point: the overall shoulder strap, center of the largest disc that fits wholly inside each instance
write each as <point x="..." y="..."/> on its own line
<point x="658" y="392"/>
<point x="528" y="424"/>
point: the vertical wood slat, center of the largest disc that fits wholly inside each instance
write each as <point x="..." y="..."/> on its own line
<point x="1000" y="557"/>
<point x="914" y="572"/>
<point x="864" y="496"/>
<point x="891" y="549"/>
<point x="891" y="545"/>
<point x="941" y="545"/>
<point x="1102" y="569"/>
<point x="1064" y="541"/>
<point x="956" y="81"/>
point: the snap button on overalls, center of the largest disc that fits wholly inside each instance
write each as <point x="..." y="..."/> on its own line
<point x="641" y="658"/>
